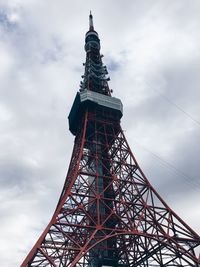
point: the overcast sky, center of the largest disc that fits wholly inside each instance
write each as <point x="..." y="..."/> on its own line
<point x="152" y="51"/>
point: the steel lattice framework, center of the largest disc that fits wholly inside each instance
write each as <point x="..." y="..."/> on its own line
<point x="108" y="213"/>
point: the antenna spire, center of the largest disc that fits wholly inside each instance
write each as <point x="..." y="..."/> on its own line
<point x="91" y="26"/>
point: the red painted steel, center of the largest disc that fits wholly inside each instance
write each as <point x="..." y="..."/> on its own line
<point x="108" y="213"/>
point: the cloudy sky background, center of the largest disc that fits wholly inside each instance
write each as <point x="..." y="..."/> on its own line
<point x="152" y="51"/>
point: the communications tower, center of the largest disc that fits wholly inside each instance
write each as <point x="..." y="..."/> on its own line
<point x="108" y="213"/>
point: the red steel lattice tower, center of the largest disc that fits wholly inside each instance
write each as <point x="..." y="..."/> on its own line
<point x="108" y="213"/>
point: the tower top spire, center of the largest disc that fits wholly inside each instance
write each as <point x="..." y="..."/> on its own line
<point x="91" y="25"/>
<point x="95" y="77"/>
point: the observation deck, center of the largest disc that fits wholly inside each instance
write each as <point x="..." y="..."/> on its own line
<point x="89" y="100"/>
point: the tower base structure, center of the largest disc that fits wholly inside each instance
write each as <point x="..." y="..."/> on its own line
<point x="108" y="213"/>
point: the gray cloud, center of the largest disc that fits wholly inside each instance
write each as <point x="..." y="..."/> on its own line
<point x="151" y="49"/>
